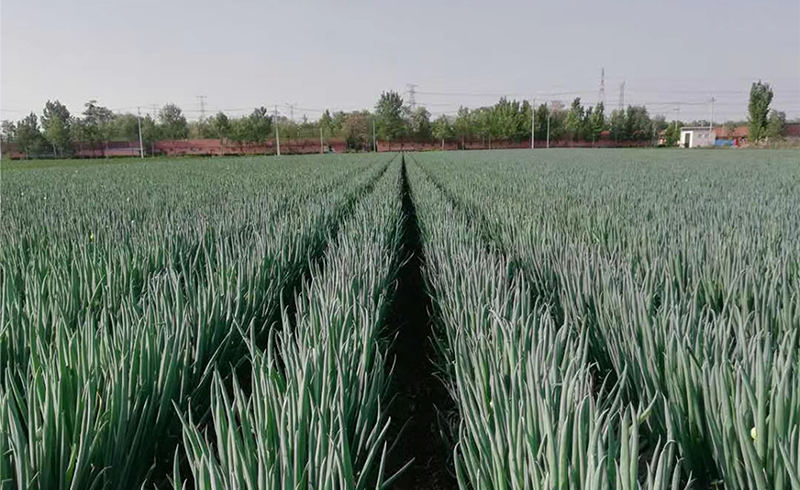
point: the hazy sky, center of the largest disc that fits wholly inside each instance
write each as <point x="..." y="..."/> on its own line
<point x="241" y="54"/>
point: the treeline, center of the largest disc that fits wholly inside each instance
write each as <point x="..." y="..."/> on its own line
<point x="511" y="120"/>
<point x="57" y="132"/>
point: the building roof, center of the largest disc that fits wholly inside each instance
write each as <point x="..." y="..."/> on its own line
<point x="695" y="128"/>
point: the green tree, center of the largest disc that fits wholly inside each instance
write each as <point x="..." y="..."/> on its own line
<point x="97" y="123"/>
<point x="574" y="123"/>
<point x="124" y="127"/>
<point x="758" y="109"/>
<point x="355" y="130"/>
<point x="441" y="129"/>
<point x="540" y="122"/>
<point x="507" y="120"/>
<point x="260" y="125"/>
<point x="421" y="124"/>
<point x="638" y="126"/>
<point x="28" y="136"/>
<point x="56" y="122"/>
<point x="173" y="123"/>
<point x="596" y="122"/>
<point x="672" y="134"/>
<point x="219" y="126"/>
<point x="776" y="125"/>
<point x="462" y="126"/>
<point x="616" y="125"/>
<point x="326" y="124"/>
<point x="389" y="112"/>
<point x="8" y="131"/>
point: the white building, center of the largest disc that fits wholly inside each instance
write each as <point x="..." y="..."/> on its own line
<point x="697" y="137"/>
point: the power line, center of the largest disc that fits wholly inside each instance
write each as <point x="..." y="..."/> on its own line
<point x="602" y="95"/>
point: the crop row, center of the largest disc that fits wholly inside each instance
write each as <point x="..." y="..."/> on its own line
<point x="123" y="296"/>
<point x="680" y="285"/>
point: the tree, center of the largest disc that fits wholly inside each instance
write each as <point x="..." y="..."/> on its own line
<point x="96" y="122"/>
<point x="355" y="129"/>
<point x="596" y="122"/>
<point x="421" y="124"/>
<point x="219" y="126"/>
<point x="56" y="125"/>
<point x="776" y="125"/>
<point x="260" y="125"/>
<point x="462" y="126"/>
<point x="124" y="127"/>
<point x="441" y="129"/>
<point x="672" y="134"/>
<point x="540" y="122"/>
<point x="8" y="131"/>
<point x="616" y="125"/>
<point x="326" y="124"/>
<point x="173" y="123"/>
<point x="638" y="126"/>
<point x="573" y="124"/>
<point x="389" y="112"/>
<point x="758" y="108"/>
<point x="27" y="135"/>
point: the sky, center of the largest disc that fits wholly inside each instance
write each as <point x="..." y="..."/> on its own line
<point x="341" y="55"/>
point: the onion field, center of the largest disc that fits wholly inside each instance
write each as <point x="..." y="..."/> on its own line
<point x="570" y="319"/>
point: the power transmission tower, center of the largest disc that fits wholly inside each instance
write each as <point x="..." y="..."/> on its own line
<point x="412" y="92"/>
<point x="622" y="96"/>
<point x="291" y="110"/>
<point x="601" y="97"/>
<point x="202" y="107"/>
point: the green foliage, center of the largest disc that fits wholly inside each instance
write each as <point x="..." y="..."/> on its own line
<point x="27" y="135"/>
<point x="442" y="129"/>
<point x="95" y="126"/>
<point x="56" y="123"/>
<point x="672" y="134"/>
<point x="356" y="130"/>
<point x="758" y="109"/>
<point x="97" y="374"/>
<point x="389" y="117"/>
<point x="574" y="123"/>
<point x="596" y="123"/>
<point x="421" y="124"/>
<point x="173" y="123"/>
<point x="580" y="334"/>
<point x="776" y="125"/>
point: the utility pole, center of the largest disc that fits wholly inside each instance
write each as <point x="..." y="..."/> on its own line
<point x="374" y="139"/>
<point x="321" y="147"/>
<point x="711" y="122"/>
<point x="677" y="115"/>
<point x="277" y="133"/>
<point x="622" y="96"/>
<point x="139" y="120"/>
<point x="533" y="123"/>
<point x="412" y="92"/>
<point x="202" y="107"/>
<point x="548" y="126"/>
